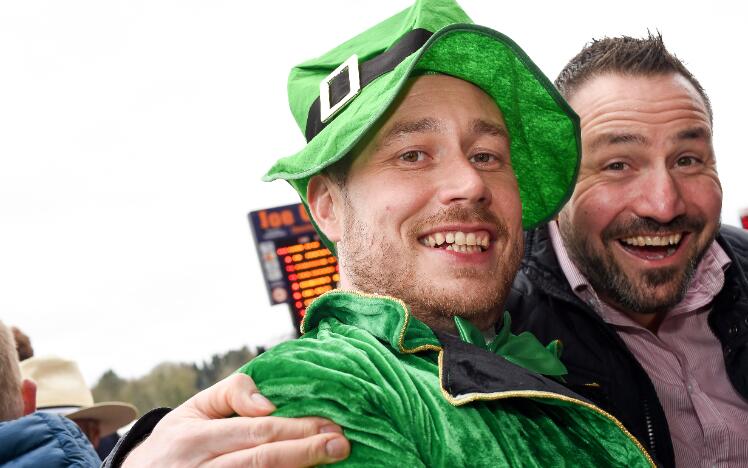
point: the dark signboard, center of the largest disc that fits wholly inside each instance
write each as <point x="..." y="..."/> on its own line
<point x="297" y="267"/>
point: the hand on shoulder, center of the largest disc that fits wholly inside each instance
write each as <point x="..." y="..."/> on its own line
<point x="201" y="432"/>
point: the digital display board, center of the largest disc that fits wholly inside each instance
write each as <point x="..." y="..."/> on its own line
<point x="296" y="266"/>
<point x="744" y="218"/>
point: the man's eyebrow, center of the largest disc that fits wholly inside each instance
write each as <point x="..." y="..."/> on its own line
<point x="695" y="133"/>
<point x="399" y="129"/>
<point x="617" y="138"/>
<point x="484" y="127"/>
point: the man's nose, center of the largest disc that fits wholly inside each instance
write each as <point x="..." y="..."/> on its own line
<point x="659" y="196"/>
<point x="461" y="182"/>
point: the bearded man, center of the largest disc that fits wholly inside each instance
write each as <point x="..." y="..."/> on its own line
<point x="422" y="166"/>
<point x="652" y="311"/>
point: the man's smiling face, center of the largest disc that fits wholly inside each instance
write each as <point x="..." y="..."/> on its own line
<point x="647" y="202"/>
<point x="430" y="210"/>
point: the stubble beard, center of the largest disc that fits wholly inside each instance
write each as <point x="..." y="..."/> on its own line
<point x="374" y="266"/>
<point x="634" y="294"/>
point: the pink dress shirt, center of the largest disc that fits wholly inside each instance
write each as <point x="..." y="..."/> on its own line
<point x="708" y="419"/>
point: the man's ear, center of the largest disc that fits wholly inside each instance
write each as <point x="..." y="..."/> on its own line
<point x="28" y="394"/>
<point x="324" y="200"/>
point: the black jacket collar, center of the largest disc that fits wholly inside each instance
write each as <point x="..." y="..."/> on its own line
<point x="470" y="373"/>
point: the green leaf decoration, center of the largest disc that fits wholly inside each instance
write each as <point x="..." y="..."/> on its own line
<point x="469" y="333"/>
<point x="523" y="350"/>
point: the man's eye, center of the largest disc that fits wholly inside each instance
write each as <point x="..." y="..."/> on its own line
<point x="413" y="156"/>
<point x="685" y="161"/>
<point x="616" y="166"/>
<point x="483" y="158"/>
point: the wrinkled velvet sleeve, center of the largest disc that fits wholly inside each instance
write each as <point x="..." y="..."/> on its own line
<point x="347" y="381"/>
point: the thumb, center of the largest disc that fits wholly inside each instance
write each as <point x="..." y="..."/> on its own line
<point x="237" y="394"/>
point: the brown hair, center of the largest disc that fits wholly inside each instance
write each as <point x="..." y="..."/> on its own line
<point x="626" y="56"/>
<point x="11" y="403"/>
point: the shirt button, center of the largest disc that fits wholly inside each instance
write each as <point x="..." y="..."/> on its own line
<point x="690" y="388"/>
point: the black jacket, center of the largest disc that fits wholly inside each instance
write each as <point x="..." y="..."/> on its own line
<point x="601" y="367"/>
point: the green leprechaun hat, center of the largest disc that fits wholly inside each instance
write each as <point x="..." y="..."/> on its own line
<point x="338" y="97"/>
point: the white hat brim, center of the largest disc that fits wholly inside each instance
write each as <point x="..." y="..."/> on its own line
<point x="111" y="415"/>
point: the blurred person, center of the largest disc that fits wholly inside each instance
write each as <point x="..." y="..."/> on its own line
<point x="33" y="439"/>
<point x="637" y="277"/>
<point x="421" y="174"/>
<point x="17" y="396"/>
<point x="61" y="389"/>
<point x="23" y="344"/>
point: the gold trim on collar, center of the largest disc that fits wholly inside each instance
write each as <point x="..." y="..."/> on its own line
<point x="471" y="397"/>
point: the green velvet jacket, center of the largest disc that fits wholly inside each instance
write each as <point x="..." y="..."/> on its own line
<point x="408" y="397"/>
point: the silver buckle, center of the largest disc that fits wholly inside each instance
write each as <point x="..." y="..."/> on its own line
<point x="325" y="111"/>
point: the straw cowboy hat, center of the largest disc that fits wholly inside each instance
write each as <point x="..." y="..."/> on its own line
<point x="60" y="388"/>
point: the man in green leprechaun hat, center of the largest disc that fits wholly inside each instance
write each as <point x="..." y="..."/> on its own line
<point x="431" y="144"/>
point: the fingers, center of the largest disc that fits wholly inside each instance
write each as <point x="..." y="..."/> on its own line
<point x="234" y="434"/>
<point x="311" y="451"/>
<point x="236" y="394"/>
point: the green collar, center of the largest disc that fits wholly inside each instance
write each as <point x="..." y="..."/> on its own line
<point x="389" y="320"/>
<point x="385" y="317"/>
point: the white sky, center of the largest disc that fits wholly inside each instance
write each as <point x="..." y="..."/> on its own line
<point x="133" y="135"/>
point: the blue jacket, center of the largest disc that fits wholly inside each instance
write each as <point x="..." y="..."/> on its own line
<point x="47" y="440"/>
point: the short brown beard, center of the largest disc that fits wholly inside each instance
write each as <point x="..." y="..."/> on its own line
<point x="369" y="268"/>
<point x="610" y="281"/>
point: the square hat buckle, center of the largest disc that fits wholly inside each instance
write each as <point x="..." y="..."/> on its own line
<point x="326" y="112"/>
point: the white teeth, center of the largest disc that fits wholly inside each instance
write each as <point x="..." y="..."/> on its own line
<point x="458" y="241"/>
<point x="460" y="238"/>
<point x="662" y="241"/>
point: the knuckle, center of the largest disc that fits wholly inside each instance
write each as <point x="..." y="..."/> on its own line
<point x="259" y="457"/>
<point x="241" y="381"/>
<point x="315" y="450"/>
<point x="310" y="426"/>
<point x="262" y="430"/>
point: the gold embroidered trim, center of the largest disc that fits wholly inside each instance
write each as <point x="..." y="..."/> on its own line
<point x="471" y="397"/>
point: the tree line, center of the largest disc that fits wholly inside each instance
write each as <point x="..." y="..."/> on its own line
<point x="169" y="384"/>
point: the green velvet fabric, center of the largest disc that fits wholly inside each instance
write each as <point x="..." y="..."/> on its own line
<point x="370" y="367"/>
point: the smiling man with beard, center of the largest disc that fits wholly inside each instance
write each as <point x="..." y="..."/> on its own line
<point x="652" y="311"/>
